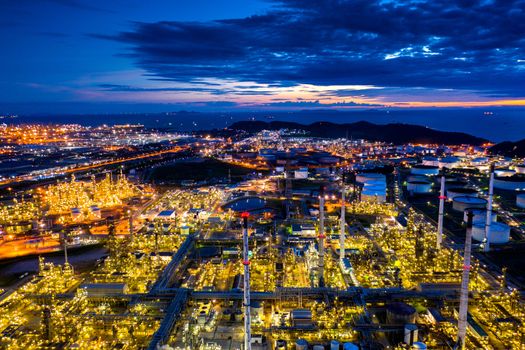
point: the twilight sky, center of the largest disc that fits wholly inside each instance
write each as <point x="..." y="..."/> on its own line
<point x="246" y="54"/>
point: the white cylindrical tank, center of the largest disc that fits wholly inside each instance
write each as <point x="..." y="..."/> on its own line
<point x="417" y="178"/>
<point x="411" y="334"/>
<point x="512" y="183"/>
<point x="334" y="345"/>
<point x="422" y="169"/>
<point x="381" y="184"/>
<point x="375" y="196"/>
<point x="499" y="233"/>
<point x="462" y="203"/>
<point x="301" y="344"/>
<point x="430" y="161"/>
<point x="318" y="347"/>
<point x="479" y="161"/>
<point x="366" y="177"/>
<point x="461" y="192"/>
<point x="350" y="346"/>
<point x="480" y="216"/>
<point x="520" y="200"/>
<point x="280" y="344"/>
<point x="520" y="169"/>
<point x="448" y="162"/>
<point x="504" y="172"/>
<point x="419" y="187"/>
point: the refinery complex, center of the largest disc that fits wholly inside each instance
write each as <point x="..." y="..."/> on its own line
<point x="149" y="239"/>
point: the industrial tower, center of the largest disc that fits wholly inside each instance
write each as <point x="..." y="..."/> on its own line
<point x="442" y="198"/>
<point x="343" y="222"/>
<point x="321" y="237"/>
<point x="246" y="263"/>
<point x="486" y="247"/>
<point x="463" y="301"/>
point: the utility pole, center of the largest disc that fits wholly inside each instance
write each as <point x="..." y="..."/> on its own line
<point x="486" y="246"/>
<point x="442" y="198"/>
<point x="463" y="301"/>
<point x="246" y="263"/>
<point x="321" y="237"/>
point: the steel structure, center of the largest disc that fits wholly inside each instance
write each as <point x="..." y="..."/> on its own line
<point x="246" y="296"/>
<point x="321" y="237"/>
<point x="486" y="247"/>
<point x="442" y="198"/>
<point x="463" y="301"/>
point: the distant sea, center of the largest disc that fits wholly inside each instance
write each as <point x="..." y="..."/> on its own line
<point x="494" y="124"/>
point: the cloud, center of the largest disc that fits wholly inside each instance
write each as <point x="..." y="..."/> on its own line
<point x="466" y="45"/>
<point x="317" y="104"/>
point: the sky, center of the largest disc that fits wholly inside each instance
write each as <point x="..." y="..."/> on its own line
<point x="75" y="56"/>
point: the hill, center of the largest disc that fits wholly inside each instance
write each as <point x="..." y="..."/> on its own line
<point x="392" y="133"/>
<point x="510" y="149"/>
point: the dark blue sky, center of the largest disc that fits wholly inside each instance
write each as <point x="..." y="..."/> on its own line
<point x="86" y="56"/>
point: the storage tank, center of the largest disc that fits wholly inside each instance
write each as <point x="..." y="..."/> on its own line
<point x="504" y="172"/>
<point x="350" y="346"/>
<point x="421" y="169"/>
<point x="334" y="345"/>
<point x="499" y="233"/>
<point x="301" y="344"/>
<point x="448" y="162"/>
<point x="520" y="169"/>
<point x="411" y="333"/>
<point x="419" y="346"/>
<point x="462" y="203"/>
<point x="381" y="183"/>
<point x="480" y="216"/>
<point x="280" y="344"/>
<point x="430" y="161"/>
<point x="366" y="177"/>
<point x="461" y="192"/>
<point x="419" y="187"/>
<point x="256" y="309"/>
<point x="479" y="161"/>
<point x="417" y="178"/>
<point x="520" y="200"/>
<point x="318" y="347"/>
<point x="511" y="183"/>
<point x="400" y="313"/>
<point x="373" y="196"/>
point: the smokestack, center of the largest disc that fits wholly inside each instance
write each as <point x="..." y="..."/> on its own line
<point x="321" y="237"/>
<point x="442" y="198"/>
<point x="343" y="223"/>
<point x="246" y="301"/>
<point x="66" y="262"/>
<point x="463" y="301"/>
<point x="131" y="225"/>
<point x="486" y="247"/>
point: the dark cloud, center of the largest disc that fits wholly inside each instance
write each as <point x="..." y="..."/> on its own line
<point x="316" y="104"/>
<point x="218" y="90"/>
<point x="471" y="45"/>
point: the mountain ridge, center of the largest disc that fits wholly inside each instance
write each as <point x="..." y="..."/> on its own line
<point x="396" y="133"/>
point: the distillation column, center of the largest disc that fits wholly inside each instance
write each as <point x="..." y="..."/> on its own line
<point x="486" y="247"/>
<point x="442" y="198"/>
<point x="246" y="301"/>
<point x="343" y="223"/>
<point x="463" y="301"/>
<point x="321" y="237"/>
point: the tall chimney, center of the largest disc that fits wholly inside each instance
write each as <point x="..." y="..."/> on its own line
<point x="246" y="301"/>
<point x="343" y="223"/>
<point x="321" y="237"/>
<point x="463" y="301"/>
<point x="442" y="198"/>
<point x="486" y="247"/>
